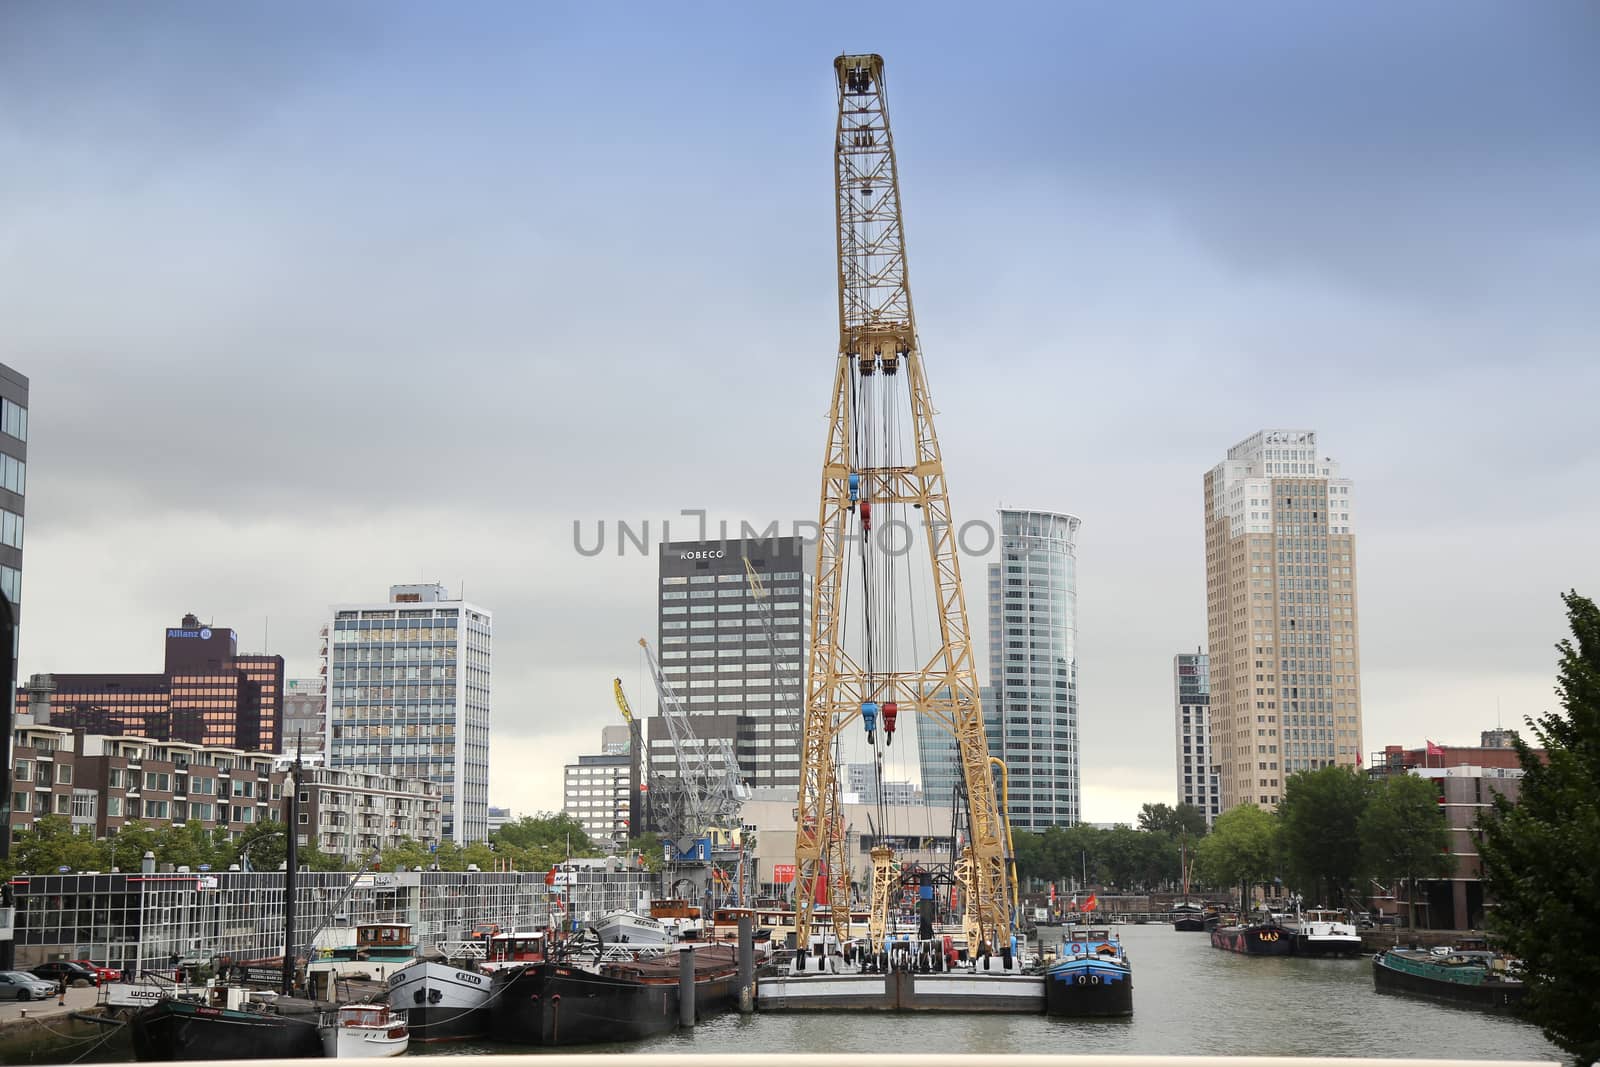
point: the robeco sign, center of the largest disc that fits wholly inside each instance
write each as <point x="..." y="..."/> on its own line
<point x="704" y="553"/>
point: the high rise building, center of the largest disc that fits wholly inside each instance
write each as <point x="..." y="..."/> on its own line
<point x="717" y="654"/>
<point x="1281" y="615"/>
<point x="1033" y="666"/>
<point x="13" y="484"/>
<point x="409" y="696"/>
<point x="861" y="786"/>
<point x="597" y="789"/>
<point x="939" y="758"/>
<point x="208" y="694"/>
<point x="1198" y="782"/>
<point x="305" y="715"/>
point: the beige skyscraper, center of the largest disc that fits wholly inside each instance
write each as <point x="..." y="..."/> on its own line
<point x="1281" y="615"/>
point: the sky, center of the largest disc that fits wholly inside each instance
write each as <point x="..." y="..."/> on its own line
<point x="320" y="297"/>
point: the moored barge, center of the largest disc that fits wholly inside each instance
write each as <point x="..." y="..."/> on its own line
<point x="565" y="1002"/>
<point x="1474" y="977"/>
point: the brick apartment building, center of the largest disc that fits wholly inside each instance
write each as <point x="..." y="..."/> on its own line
<point x="1467" y="779"/>
<point x="102" y="782"/>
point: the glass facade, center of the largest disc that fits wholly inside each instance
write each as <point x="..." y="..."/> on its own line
<point x="727" y="651"/>
<point x="1033" y="666"/>
<point x="208" y="694"/>
<point x="409" y="695"/>
<point x="149" y="921"/>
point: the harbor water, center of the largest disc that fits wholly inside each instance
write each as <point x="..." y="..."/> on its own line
<point x="1189" y="999"/>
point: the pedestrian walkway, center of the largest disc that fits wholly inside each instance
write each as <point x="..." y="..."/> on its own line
<point x="77" y="1000"/>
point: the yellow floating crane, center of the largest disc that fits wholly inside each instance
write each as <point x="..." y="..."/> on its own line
<point x="882" y="456"/>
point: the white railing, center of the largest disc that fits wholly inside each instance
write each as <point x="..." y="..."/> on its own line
<point x="901" y="1059"/>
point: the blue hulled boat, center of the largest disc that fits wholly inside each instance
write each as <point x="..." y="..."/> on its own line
<point x="1090" y="977"/>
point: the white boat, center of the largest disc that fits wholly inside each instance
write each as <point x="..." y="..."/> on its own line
<point x="1324" y="933"/>
<point x="364" y="1031"/>
<point x="446" y="999"/>
<point x="631" y="928"/>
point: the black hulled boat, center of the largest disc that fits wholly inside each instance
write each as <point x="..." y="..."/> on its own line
<point x="568" y="1002"/>
<point x="1254" y="939"/>
<point x="174" y="1029"/>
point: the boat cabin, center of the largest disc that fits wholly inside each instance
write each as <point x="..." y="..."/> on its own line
<point x="371" y="1016"/>
<point x="1087" y="941"/>
<point x="673" y="909"/>
<point x="384" y="939"/>
<point x="522" y="946"/>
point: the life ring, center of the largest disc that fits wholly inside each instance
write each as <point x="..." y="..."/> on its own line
<point x="1094" y="979"/>
<point x="1076" y="948"/>
<point x="1082" y="980"/>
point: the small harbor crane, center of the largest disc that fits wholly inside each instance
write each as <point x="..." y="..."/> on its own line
<point x="705" y="793"/>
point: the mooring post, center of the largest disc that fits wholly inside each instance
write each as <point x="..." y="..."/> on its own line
<point x="747" y="964"/>
<point x="686" y="987"/>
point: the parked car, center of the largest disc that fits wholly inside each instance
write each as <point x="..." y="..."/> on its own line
<point x="66" y="971"/>
<point x="19" y="985"/>
<point x="104" y="973"/>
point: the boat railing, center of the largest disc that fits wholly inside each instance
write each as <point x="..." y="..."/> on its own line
<point x="462" y="950"/>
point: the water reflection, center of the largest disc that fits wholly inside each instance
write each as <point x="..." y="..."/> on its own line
<point x="1189" y="999"/>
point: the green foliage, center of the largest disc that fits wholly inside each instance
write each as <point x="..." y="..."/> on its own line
<point x="650" y="850"/>
<point x="1404" y="833"/>
<point x="1541" y="854"/>
<point x="406" y="854"/>
<point x="51" y="843"/>
<point x="1241" y="848"/>
<point x="1182" y="822"/>
<point x="1120" y="857"/>
<point x="1321" y="816"/>
<point x="267" y="846"/>
<point x="541" y="841"/>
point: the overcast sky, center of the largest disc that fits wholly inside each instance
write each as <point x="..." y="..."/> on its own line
<point x="319" y="297"/>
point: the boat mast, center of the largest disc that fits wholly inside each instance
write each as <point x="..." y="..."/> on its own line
<point x="291" y="862"/>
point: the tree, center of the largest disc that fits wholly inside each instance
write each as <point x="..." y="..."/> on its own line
<point x="1182" y="822"/>
<point x="263" y="847"/>
<point x="542" y="841"/>
<point x="1541" y="854"/>
<point x="1405" y="834"/>
<point x="650" y="849"/>
<point x="1240" y="849"/>
<point x="51" y="843"/>
<point x="407" y="854"/>
<point x="1321" y="816"/>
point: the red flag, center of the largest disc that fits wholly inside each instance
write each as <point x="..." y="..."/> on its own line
<point x="1092" y="903"/>
<point x="1052" y="892"/>
<point x="1433" y="749"/>
<point x="550" y="879"/>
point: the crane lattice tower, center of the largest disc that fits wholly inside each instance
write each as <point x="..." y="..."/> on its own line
<point x="882" y="457"/>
